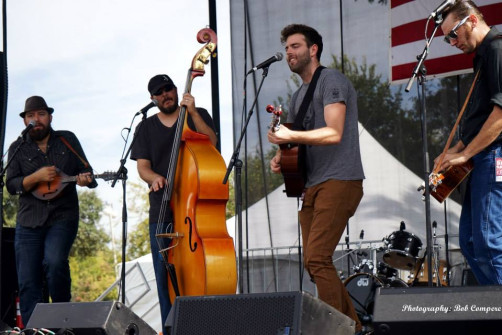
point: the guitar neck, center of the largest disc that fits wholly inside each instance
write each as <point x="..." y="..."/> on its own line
<point x="72" y="179"/>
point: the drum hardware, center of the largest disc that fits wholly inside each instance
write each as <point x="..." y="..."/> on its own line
<point x="419" y="276"/>
<point x="365" y="266"/>
<point x="402" y="249"/>
<point x="440" y="273"/>
<point x="385" y="271"/>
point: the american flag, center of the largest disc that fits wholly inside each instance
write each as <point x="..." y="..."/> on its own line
<point x="408" y="20"/>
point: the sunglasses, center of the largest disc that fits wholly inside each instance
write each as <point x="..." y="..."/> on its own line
<point x="452" y="35"/>
<point x="161" y="90"/>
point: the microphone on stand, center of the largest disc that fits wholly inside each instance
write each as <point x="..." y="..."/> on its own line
<point x="441" y="8"/>
<point x="275" y="58"/>
<point x="145" y="109"/>
<point x="27" y="129"/>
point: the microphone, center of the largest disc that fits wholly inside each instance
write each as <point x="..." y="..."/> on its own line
<point x="27" y="129"/>
<point x="275" y="58"/>
<point x="145" y="109"/>
<point x="441" y="8"/>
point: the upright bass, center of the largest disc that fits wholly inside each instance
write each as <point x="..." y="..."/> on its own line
<point x="201" y="256"/>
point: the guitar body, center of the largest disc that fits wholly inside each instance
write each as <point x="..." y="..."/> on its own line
<point x="292" y="168"/>
<point x="50" y="190"/>
<point x="449" y="180"/>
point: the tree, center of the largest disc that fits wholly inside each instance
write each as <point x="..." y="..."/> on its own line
<point x="91" y="259"/>
<point x="90" y="237"/>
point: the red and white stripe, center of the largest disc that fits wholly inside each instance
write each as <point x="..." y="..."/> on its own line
<point x="408" y="19"/>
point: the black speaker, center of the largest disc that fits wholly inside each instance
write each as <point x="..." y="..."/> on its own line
<point x="9" y="286"/>
<point x="438" y="310"/>
<point x="291" y="313"/>
<point x="82" y="318"/>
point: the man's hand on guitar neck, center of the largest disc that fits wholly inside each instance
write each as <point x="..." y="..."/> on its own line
<point x="280" y="136"/>
<point x="84" y="179"/>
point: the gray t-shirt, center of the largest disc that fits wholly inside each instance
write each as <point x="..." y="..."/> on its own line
<point x="340" y="161"/>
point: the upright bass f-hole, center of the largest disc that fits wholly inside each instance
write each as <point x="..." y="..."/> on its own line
<point x="192" y="249"/>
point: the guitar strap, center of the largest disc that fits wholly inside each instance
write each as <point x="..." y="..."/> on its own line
<point x="452" y="133"/>
<point x="298" y="124"/>
<point x="65" y="141"/>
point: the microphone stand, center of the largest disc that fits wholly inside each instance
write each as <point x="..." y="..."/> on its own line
<point x="122" y="174"/>
<point x="421" y="72"/>
<point x="235" y="161"/>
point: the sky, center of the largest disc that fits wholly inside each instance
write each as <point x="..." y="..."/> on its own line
<point x="91" y="60"/>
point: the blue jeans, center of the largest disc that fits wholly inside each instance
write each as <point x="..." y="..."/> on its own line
<point x="42" y="253"/>
<point x="160" y="269"/>
<point x="480" y="227"/>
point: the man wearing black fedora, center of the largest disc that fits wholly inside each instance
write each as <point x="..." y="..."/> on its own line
<point x="48" y="213"/>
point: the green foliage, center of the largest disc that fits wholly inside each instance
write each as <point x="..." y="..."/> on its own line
<point x="92" y="275"/>
<point x="91" y="260"/>
<point x="138" y="204"/>
<point x="257" y="185"/>
<point x="90" y="237"/>
<point x="10" y="205"/>
<point x="139" y="241"/>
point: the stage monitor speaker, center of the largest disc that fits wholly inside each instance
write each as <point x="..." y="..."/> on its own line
<point x="89" y="318"/>
<point x="438" y="310"/>
<point x="291" y="313"/>
<point x="8" y="287"/>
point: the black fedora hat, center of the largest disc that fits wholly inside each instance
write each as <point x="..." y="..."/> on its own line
<point x="35" y="103"/>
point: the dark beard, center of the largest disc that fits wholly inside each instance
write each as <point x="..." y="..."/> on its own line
<point x="39" y="134"/>
<point x="169" y="110"/>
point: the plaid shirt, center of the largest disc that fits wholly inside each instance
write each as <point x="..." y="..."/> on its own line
<point x="33" y="212"/>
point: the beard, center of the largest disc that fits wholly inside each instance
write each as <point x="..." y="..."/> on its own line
<point x="40" y="134"/>
<point x="172" y="108"/>
<point x="302" y="62"/>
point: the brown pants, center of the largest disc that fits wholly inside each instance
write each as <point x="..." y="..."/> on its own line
<point x="325" y="213"/>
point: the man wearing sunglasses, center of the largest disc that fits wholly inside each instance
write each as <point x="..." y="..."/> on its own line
<point x="480" y="225"/>
<point x="152" y="153"/>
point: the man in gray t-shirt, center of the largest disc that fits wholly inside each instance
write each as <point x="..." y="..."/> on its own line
<point x="334" y="170"/>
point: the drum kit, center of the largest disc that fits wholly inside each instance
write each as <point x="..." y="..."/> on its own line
<point x="400" y="259"/>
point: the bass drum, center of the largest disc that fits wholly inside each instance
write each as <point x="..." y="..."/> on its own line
<point x="362" y="289"/>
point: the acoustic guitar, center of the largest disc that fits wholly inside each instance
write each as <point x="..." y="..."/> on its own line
<point x="442" y="184"/>
<point x="291" y="166"/>
<point x="50" y="190"/>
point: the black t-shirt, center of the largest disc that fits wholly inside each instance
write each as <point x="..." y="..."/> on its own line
<point x="154" y="142"/>
<point x="488" y="89"/>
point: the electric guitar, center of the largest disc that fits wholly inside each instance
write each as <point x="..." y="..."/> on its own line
<point x="50" y="190"/>
<point x="291" y="167"/>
